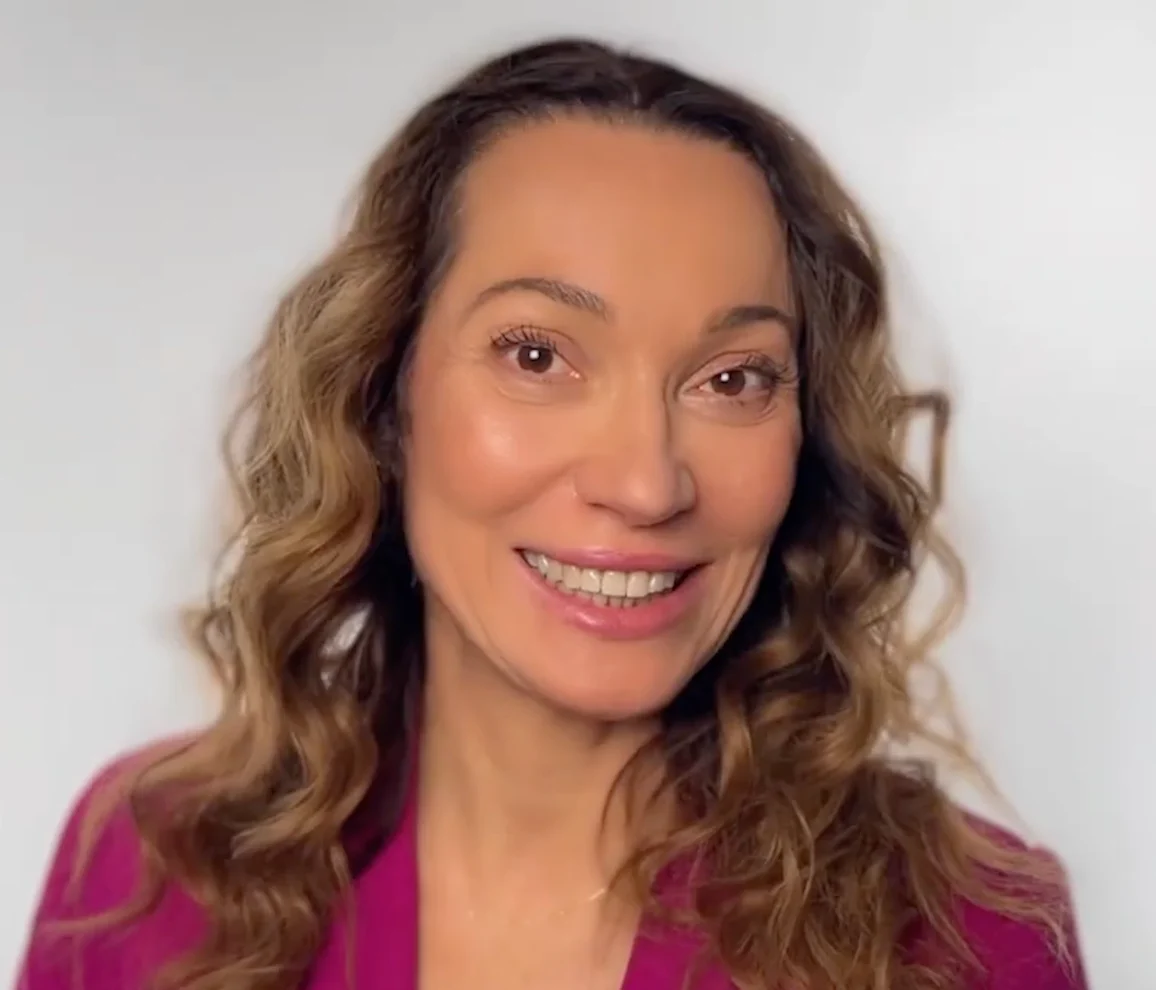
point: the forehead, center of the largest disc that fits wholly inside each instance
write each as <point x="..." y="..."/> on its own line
<point x="624" y="209"/>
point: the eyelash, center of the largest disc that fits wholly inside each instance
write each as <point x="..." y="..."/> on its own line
<point x="776" y="372"/>
<point x="521" y="336"/>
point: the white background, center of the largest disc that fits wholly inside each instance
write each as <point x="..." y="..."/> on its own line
<point x="165" y="167"/>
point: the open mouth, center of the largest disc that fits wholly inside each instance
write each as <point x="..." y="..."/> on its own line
<point x="610" y="588"/>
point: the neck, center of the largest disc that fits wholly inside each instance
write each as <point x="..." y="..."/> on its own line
<point x="513" y="790"/>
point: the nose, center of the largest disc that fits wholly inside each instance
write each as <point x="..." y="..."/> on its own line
<point x="631" y="465"/>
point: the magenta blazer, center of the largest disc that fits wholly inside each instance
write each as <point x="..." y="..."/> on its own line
<point x="385" y="937"/>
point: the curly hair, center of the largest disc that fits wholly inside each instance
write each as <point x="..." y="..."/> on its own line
<point x="823" y="849"/>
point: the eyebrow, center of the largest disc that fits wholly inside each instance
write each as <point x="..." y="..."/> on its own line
<point x="742" y="316"/>
<point x="588" y="301"/>
<point x="559" y="291"/>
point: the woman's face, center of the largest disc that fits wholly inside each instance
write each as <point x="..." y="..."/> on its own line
<point x="604" y="413"/>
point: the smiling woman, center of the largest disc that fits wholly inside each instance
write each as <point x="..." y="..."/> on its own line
<point x="589" y="430"/>
<point x="610" y="385"/>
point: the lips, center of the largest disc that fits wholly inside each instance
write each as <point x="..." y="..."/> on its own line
<point x="604" y="586"/>
<point x="643" y="601"/>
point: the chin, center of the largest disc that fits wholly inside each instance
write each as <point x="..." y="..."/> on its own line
<point x="608" y="709"/>
<point x="605" y="696"/>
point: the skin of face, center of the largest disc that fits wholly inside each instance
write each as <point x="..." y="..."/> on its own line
<point x="607" y="367"/>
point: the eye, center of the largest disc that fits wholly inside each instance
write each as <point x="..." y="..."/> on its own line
<point x="531" y="352"/>
<point x="753" y="379"/>
<point x="534" y="358"/>
<point x="734" y="382"/>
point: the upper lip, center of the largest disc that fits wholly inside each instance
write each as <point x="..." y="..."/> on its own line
<point x="617" y="560"/>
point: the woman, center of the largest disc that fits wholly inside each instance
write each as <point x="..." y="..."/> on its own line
<point x="564" y="646"/>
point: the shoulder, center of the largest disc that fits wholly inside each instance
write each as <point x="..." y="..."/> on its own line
<point x="98" y="834"/>
<point x="1015" y="953"/>
<point x="94" y="871"/>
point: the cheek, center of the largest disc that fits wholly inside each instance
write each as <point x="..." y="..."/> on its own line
<point x="472" y="451"/>
<point x="745" y="481"/>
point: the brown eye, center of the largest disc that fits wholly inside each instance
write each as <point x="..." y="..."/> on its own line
<point x="528" y="353"/>
<point x="535" y="358"/>
<point x="731" y="382"/>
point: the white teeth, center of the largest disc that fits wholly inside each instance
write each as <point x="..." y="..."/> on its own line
<point x="638" y="584"/>
<point x="616" y="588"/>
<point x="614" y="584"/>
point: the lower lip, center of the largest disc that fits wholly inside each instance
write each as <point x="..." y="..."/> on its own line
<point x="652" y="617"/>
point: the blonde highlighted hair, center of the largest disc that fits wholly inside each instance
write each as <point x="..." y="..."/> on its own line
<point x="824" y="850"/>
